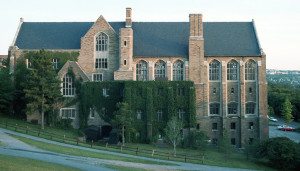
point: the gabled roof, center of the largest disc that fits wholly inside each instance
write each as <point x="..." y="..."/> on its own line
<point x="151" y="39"/>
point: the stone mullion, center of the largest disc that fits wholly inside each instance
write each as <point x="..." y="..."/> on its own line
<point x="169" y="70"/>
<point x="224" y="94"/>
<point x="243" y="123"/>
<point x="151" y="70"/>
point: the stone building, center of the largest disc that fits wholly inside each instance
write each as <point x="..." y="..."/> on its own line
<point x="223" y="59"/>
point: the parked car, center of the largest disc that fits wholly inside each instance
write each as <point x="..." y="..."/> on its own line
<point x="272" y="119"/>
<point x="285" y="128"/>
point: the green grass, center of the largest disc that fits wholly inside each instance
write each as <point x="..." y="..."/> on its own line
<point x="72" y="133"/>
<point x="9" y="163"/>
<point x="84" y="153"/>
<point x="212" y="156"/>
<point x="122" y="168"/>
<point x="2" y="144"/>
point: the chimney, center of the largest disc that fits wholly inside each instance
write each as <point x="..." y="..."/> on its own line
<point x="196" y="25"/>
<point x="128" y="17"/>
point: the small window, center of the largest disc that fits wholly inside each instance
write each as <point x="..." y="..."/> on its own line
<point x="215" y="141"/>
<point x="159" y="115"/>
<point x="181" y="114"/>
<point x="54" y="63"/>
<point x="232" y="108"/>
<point x="180" y="92"/>
<point x="92" y="113"/>
<point x="250" y="90"/>
<point x="250" y="108"/>
<point x="125" y="43"/>
<point x="125" y="62"/>
<point x="214" y="90"/>
<point x="233" y="141"/>
<point x="139" y="114"/>
<point x="232" y="125"/>
<point x="97" y="77"/>
<point x="105" y="92"/>
<point x="68" y="113"/>
<point x="198" y="126"/>
<point x="160" y="91"/>
<point x="250" y="141"/>
<point x="214" y="126"/>
<point x="232" y="90"/>
<point x="251" y="125"/>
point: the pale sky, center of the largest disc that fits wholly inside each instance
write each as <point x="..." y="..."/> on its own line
<point x="277" y="21"/>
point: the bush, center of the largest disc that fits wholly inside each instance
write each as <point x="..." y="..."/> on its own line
<point x="64" y="123"/>
<point x="196" y="140"/>
<point x="281" y="152"/>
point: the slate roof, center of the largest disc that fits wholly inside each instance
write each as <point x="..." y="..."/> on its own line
<point x="151" y="39"/>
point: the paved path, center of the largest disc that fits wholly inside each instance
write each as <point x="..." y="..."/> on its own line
<point x="15" y="147"/>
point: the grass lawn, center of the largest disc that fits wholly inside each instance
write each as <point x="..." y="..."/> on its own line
<point x="84" y="153"/>
<point x="212" y="155"/>
<point x="122" y="168"/>
<point x="9" y="163"/>
<point x="72" y="133"/>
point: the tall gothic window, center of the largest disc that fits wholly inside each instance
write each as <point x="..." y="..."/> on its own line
<point x="101" y="51"/>
<point x="160" y="70"/>
<point x="232" y="108"/>
<point x="178" y="70"/>
<point x="214" y="108"/>
<point x="250" y="108"/>
<point x="214" y="70"/>
<point x="68" y="88"/>
<point x="142" y="71"/>
<point x="250" y="70"/>
<point x="232" y="70"/>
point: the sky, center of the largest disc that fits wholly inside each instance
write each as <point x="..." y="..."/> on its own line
<point x="277" y="21"/>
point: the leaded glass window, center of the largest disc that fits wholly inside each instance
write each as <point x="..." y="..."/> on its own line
<point x="178" y="70"/>
<point x="214" y="70"/>
<point x="142" y="71"/>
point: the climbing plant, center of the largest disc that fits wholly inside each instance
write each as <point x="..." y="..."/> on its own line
<point x="145" y="97"/>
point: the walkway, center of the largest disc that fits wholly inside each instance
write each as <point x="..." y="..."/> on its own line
<point x="15" y="147"/>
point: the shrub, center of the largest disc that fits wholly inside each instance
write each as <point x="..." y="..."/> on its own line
<point x="281" y="152"/>
<point x="196" y="140"/>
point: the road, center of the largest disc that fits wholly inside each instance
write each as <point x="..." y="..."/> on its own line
<point x="17" y="148"/>
<point x="274" y="132"/>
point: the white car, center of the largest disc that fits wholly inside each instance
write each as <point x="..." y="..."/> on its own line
<point x="285" y="128"/>
<point x="273" y="119"/>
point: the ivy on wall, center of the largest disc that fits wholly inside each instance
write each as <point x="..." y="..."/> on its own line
<point x="147" y="97"/>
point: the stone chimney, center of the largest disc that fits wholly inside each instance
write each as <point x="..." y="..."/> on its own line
<point x="128" y="17"/>
<point x="196" y="25"/>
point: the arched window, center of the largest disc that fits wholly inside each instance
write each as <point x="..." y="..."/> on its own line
<point x="250" y="108"/>
<point x="101" y="42"/>
<point x="232" y="108"/>
<point x="178" y="70"/>
<point x="142" y="71"/>
<point x="232" y="70"/>
<point x="68" y="88"/>
<point x="214" y="70"/>
<point x="101" y="51"/>
<point x="250" y="70"/>
<point x="160" y="70"/>
<point x="214" y="108"/>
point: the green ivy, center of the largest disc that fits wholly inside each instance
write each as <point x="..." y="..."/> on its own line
<point x="149" y="97"/>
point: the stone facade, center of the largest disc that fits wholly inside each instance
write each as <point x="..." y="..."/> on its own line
<point x="122" y="65"/>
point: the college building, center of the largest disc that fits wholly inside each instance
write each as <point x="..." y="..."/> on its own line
<point x="224" y="60"/>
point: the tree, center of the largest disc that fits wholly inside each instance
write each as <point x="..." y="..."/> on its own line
<point x="173" y="132"/>
<point x="42" y="87"/>
<point x="225" y="146"/>
<point x="6" y="88"/>
<point x="123" y="119"/>
<point x="287" y="111"/>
